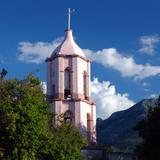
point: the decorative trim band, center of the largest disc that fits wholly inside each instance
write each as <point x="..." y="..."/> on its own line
<point x="66" y="56"/>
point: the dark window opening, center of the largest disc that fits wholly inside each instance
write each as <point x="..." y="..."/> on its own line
<point x="67" y="94"/>
<point x="68" y="117"/>
<point x="67" y="84"/>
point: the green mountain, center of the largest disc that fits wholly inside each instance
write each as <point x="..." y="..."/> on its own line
<point x="118" y="129"/>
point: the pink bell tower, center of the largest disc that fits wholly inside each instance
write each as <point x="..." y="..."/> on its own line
<point x="68" y="86"/>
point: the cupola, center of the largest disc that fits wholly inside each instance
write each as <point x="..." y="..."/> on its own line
<point x="68" y="46"/>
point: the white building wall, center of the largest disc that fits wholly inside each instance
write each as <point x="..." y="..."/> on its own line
<point x="89" y="77"/>
<point x="84" y="109"/>
<point x="74" y="75"/>
<point x="81" y="67"/>
<point x="61" y="64"/>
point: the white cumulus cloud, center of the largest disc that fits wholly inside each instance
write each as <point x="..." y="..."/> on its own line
<point x="148" y="44"/>
<point x="36" y="52"/>
<point x="125" y="65"/>
<point x="107" y="100"/>
<point x="39" y="51"/>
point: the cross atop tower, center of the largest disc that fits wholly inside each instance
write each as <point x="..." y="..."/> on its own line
<point x="69" y="17"/>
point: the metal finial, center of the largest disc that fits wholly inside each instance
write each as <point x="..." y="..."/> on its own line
<point x="69" y="17"/>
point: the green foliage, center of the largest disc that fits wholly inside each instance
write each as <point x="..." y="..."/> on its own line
<point x="24" y="117"/>
<point x="68" y="142"/>
<point x="24" y="125"/>
<point x="149" y="130"/>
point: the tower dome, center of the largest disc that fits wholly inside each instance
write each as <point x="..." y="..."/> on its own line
<point x="68" y="46"/>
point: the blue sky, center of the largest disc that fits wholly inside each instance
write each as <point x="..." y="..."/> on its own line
<point x="125" y="31"/>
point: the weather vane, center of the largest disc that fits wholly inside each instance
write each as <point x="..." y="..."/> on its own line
<point x="69" y="17"/>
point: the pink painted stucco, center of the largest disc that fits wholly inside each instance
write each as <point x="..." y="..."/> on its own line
<point x="68" y="46"/>
<point x="79" y="102"/>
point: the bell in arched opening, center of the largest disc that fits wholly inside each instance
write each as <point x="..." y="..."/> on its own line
<point x="67" y="84"/>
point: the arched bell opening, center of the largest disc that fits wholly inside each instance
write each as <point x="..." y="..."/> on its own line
<point x="67" y="83"/>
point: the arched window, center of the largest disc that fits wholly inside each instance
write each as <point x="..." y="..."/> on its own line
<point x="67" y="84"/>
<point x="68" y="117"/>
<point x="85" y="84"/>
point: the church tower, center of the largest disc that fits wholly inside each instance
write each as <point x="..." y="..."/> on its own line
<point x="68" y="86"/>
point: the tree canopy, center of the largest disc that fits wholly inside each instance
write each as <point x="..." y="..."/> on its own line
<point x="26" y="132"/>
<point x="149" y="130"/>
